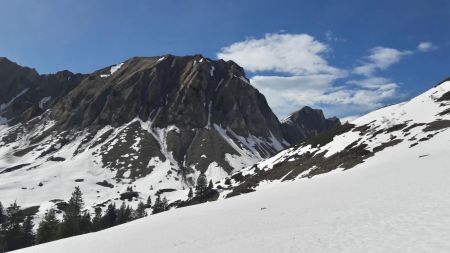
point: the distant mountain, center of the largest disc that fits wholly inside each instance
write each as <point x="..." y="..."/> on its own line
<point x="306" y="123"/>
<point x="153" y="123"/>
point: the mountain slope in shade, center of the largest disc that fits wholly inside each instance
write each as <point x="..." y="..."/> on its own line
<point x="390" y="203"/>
<point x="153" y="123"/>
<point x="26" y="94"/>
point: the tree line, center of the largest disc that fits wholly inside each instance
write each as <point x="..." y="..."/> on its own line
<point x="17" y="227"/>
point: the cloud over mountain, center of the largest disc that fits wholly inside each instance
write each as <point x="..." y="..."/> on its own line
<point x="293" y="70"/>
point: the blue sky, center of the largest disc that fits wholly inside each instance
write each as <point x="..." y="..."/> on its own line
<point x="347" y="57"/>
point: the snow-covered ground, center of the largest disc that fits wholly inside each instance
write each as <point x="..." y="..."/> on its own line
<point x="408" y="125"/>
<point x="396" y="202"/>
<point x="41" y="181"/>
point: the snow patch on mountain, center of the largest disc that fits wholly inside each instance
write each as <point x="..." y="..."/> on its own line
<point x="44" y="101"/>
<point x="215" y="172"/>
<point x="112" y="70"/>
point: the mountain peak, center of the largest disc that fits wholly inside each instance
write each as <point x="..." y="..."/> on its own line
<point x="306" y="122"/>
<point x="154" y="122"/>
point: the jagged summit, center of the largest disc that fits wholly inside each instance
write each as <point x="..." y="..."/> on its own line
<point x="189" y="92"/>
<point x="305" y="123"/>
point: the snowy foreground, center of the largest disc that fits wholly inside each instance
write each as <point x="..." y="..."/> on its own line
<point x="395" y="202"/>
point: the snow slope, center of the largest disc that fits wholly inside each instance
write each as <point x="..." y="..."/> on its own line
<point x="406" y="126"/>
<point x="392" y="204"/>
<point x="34" y="179"/>
<point x="380" y="185"/>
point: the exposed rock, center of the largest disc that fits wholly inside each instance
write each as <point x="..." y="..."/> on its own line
<point x="306" y="123"/>
<point x="156" y="122"/>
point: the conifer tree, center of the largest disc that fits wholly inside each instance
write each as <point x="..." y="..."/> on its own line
<point x="2" y="213"/>
<point x="190" y="194"/>
<point x="128" y="214"/>
<point x="165" y="204"/>
<point x="140" y="211"/>
<point x="2" y="229"/>
<point x="85" y="222"/>
<point x="76" y="201"/>
<point x="158" y="206"/>
<point x="13" y="215"/>
<point x="72" y="215"/>
<point x="2" y="241"/>
<point x="12" y="228"/>
<point x="48" y="228"/>
<point x="124" y="214"/>
<point x="210" y="185"/>
<point x="27" y="232"/>
<point x="202" y="184"/>
<point x="97" y="220"/>
<point x="109" y="219"/>
<point x="149" y="201"/>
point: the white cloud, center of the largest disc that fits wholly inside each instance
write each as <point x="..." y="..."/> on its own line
<point x="426" y="46"/>
<point x="374" y="82"/>
<point x="287" y="94"/>
<point x="380" y="58"/>
<point x="296" y="54"/>
<point x="307" y="77"/>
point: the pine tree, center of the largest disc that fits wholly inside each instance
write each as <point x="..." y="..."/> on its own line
<point x="97" y="220"/>
<point x="2" y="241"/>
<point x="149" y="201"/>
<point x="129" y="213"/>
<point x="190" y="194"/>
<point x="122" y="214"/>
<point x="27" y="232"/>
<point x="140" y="211"/>
<point x="72" y="215"/>
<point x="165" y="204"/>
<point x="202" y="184"/>
<point x="13" y="215"/>
<point x="76" y="201"/>
<point x="2" y="214"/>
<point x="12" y="227"/>
<point x="109" y="219"/>
<point x="158" y="206"/>
<point x="48" y="228"/>
<point x="2" y="232"/>
<point x="210" y="185"/>
<point x="85" y="222"/>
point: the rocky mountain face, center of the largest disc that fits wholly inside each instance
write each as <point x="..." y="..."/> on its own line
<point x="153" y="123"/>
<point x="26" y="94"/>
<point x="305" y="123"/>
<point x="404" y="133"/>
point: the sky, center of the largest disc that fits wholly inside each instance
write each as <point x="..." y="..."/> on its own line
<point x="346" y="57"/>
